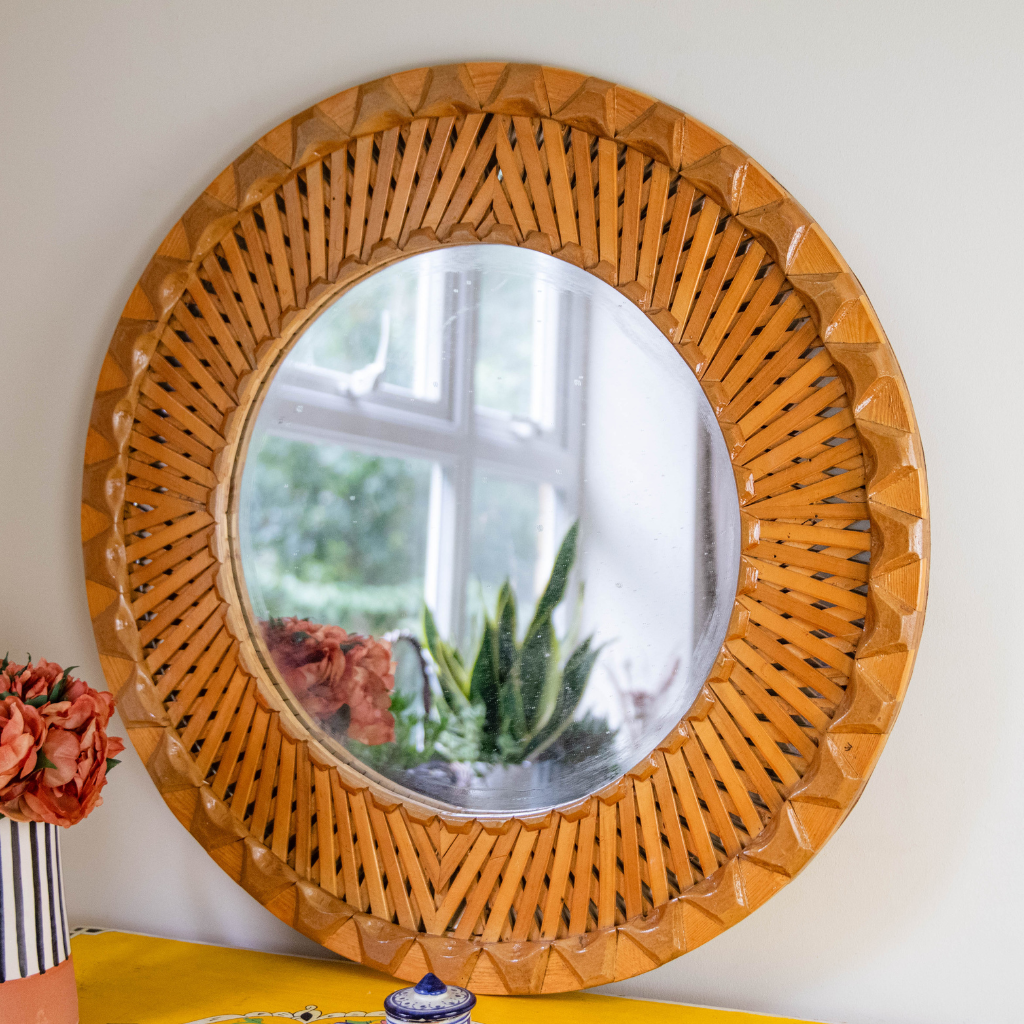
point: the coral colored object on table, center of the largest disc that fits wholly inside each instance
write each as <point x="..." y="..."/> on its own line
<point x="49" y="998"/>
<point x="37" y="980"/>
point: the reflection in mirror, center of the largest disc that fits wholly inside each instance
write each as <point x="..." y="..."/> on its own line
<point x="489" y="529"/>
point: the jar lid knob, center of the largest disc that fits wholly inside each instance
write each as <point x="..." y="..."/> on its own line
<point x="430" y="985"/>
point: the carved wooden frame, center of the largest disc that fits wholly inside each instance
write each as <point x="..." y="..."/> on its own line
<point x="774" y="753"/>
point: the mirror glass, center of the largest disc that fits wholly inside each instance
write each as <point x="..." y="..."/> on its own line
<point x="488" y="528"/>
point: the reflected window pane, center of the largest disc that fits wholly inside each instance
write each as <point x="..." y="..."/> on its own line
<point x="512" y="539"/>
<point x="386" y="331"/>
<point x="338" y="536"/>
<point x="505" y="344"/>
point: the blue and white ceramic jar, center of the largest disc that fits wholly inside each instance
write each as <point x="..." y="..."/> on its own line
<point x="431" y="1001"/>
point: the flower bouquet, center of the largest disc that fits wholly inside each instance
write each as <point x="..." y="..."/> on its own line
<point x="54" y="758"/>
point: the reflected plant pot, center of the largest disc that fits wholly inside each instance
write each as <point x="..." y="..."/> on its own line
<point x="37" y="977"/>
<point x="453" y="780"/>
<point x="528" y="775"/>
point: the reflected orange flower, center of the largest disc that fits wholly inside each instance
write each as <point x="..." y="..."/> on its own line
<point x="328" y="669"/>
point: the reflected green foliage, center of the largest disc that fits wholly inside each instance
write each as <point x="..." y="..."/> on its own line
<point x="339" y="537"/>
<point x="420" y="738"/>
<point x="519" y="697"/>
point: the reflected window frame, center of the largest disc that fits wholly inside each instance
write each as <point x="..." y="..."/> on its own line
<point x="315" y="404"/>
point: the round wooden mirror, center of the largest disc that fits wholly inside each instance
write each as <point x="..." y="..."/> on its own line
<point x="505" y="528"/>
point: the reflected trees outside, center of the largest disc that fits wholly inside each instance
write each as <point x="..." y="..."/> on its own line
<point x="488" y="528"/>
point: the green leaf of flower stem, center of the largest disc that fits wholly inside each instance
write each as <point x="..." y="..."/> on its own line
<point x="57" y="693"/>
<point x="448" y="657"/>
<point x="456" y="667"/>
<point x="42" y="761"/>
<point x="511" y="750"/>
<point x="516" y="699"/>
<point x="431" y="634"/>
<point x="505" y="617"/>
<point x="112" y="762"/>
<point x="38" y="702"/>
<point x="482" y="678"/>
<point x="5" y="662"/>
<point x="571" y="638"/>
<point x="512" y="723"/>
<point x="552" y="688"/>
<point x="460" y="739"/>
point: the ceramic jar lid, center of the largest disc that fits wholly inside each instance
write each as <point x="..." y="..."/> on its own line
<point x="431" y="1000"/>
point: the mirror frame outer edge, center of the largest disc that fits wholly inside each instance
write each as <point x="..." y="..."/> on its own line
<point x="894" y="477"/>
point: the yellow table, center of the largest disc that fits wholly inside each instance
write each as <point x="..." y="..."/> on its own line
<point x="136" y="979"/>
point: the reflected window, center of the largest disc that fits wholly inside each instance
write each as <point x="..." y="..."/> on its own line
<point x="446" y="390"/>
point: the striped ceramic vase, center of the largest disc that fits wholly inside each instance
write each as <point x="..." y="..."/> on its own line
<point x="37" y="979"/>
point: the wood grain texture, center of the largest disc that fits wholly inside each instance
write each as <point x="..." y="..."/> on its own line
<point x="830" y="477"/>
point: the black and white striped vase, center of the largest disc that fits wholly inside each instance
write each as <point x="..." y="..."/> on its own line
<point x="37" y="978"/>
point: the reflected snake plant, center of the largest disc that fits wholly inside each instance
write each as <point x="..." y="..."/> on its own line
<point x="519" y="696"/>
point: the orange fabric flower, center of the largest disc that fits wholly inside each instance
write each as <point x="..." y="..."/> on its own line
<point x="53" y="758"/>
<point x="328" y="669"/>
<point x="21" y="733"/>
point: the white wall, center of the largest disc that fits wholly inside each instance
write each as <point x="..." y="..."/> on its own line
<point x="896" y="124"/>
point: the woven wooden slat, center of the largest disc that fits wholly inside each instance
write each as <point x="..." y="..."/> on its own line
<point x="688" y="805"/>
<point x="224" y="289"/>
<point x="265" y="789"/>
<point x="830" y="483"/>
<point x="489" y="873"/>
<point x="359" y="198"/>
<point x="354" y="894"/>
<point x="214" y="717"/>
<point x="281" y="813"/>
<point x="536" y="178"/>
<point x="704" y="232"/>
<point x="242" y="783"/>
